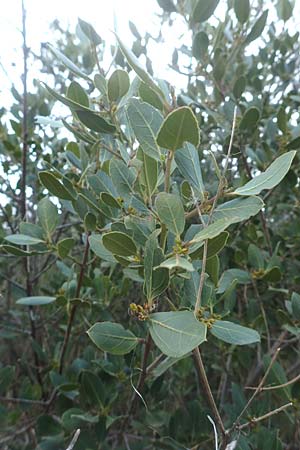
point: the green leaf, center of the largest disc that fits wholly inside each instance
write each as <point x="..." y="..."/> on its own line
<point x="148" y="173"/>
<point x="117" y="85"/>
<point x="250" y="118"/>
<point x="98" y="248"/>
<point x="234" y="334"/>
<point x="145" y="122"/>
<point x="177" y="262"/>
<point x="66" y="101"/>
<point x="242" y="10"/>
<point x="23" y="239"/>
<point x="187" y="160"/>
<point x="295" y="305"/>
<point x="257" y="28"/>
<point x="200" y="45"/>
<point x="112" y="338"/>
<point x="204" y="9"/>
<point x="90" y="32"/>
<point x="76" y="93"/>
<point x="179" y="126"/>
<point x="176" y="333"/>
<point x="270" y="178"/>
<point x="123" y="177"/>
<point x="213" y="268"/>
<point x="214" y="246"/>
<point x="92" y="388"/>
<point x="119" y="243"/>
<point x="65" y="246"/>
<point x="47" y="215"/>
<point x="148" y="95"/>
<point x="210" y="232"/>
<point x="284" y="9"/>
<point x="167" y="5"/>
<point x="100" y="83"/>
<point x="95" y="122"/>
<point x="230" y="275"/>
<point x="155" y="281"/>
<point x="138" y="68"/>
<point x="54" y="186"/>
<point x="255" y="257"/>
<point x="36" y="301"/>
<point x="239" y="209"/>
<point x="239" y="86"/>
<point x="68" y="63"/>
<point x="170" y="211"/>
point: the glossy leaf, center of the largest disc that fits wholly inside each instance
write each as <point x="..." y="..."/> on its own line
<point x="119" y="243"/>
<point x="148" y="173"/>
<point x="176" y="333"/>
<point x="234" y="334"/>
<point x="123" y="177"/>
<point x="230" y="275"/>
<point x="200" y="45"/>
<point x="270" y="178"/>
<point x="112" y="338"/>
<point x="170" y="211"/>
<point x="214" y="246"/>
<point x="210" y="232"/>
<point x="179" y="126"/>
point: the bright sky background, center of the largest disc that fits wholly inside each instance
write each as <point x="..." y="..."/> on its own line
<point x="100" y="13"/>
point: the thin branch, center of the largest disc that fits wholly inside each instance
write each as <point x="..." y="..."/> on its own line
<point x="74" y="307"/>
<point x="278" y="386"/>
<point x="265" y="416"/>
<point x="257" y="390"/>
<point x="231" y="141"/>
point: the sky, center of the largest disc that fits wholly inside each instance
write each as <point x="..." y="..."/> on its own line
<point x="104" y="15"/>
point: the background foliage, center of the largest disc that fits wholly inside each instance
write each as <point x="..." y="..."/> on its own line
<point x="131" y="234"/>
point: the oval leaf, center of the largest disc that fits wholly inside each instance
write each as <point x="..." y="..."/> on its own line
<point x="117" y="85"/>
<point x="187" y="160"/>
<point x="176" y="333"/>
<point x="145" y="122"/>
<point x="119" y="243"/>
<point x="179" y="126"/>
<point x="112" y="338"/>
<point x="204" y="9"/>
<point x="234" y="334"/>
<point x="23" y="239"/>
<point x="54" y="186"/>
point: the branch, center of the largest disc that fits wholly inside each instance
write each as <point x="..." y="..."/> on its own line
<point x="74" y="307"/>
<point x="257" y="390"/>
<point x="265" y="416"/>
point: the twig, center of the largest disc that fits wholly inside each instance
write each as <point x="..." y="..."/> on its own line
<point x="168" y="170"/>
<point x="277" y="386"/>
<point x="74" y="307"/>
<point x="265" y="416"/>
<point x="74" y="440"/>
<point x="257" y="390"/>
